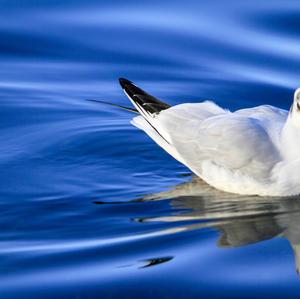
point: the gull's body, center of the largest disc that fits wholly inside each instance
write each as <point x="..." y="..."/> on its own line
<point x="249" y="151"/>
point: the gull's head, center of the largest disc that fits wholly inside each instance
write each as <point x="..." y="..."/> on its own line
<point x="295" y="109"/>
<point x="297" y="98"/>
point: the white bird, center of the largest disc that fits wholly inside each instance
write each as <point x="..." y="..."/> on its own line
<point x="252" y="151"/>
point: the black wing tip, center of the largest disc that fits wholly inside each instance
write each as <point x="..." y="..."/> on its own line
<point x="140" y="98"/>
<point x="124" y="82"/>
<point x="130" y="88"/>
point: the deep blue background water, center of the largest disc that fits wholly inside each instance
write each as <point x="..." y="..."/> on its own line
<point x="78" y="218"/>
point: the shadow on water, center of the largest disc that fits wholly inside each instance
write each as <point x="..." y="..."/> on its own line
<point x="241" y="220"/>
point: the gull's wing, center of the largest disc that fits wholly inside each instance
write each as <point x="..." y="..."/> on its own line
<point x="227" y="140"/>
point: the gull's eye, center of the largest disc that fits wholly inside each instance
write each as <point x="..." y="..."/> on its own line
<point x="298" y="106"/>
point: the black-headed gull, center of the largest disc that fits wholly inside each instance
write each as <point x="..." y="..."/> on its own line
<point x="252" y="151"/>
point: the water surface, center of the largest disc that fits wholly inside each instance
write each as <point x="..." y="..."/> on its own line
<point x="90" y="206"/>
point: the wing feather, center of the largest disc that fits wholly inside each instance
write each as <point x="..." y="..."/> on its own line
<point x="232" y="141"/>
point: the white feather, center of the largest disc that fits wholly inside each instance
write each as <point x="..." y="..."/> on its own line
<point x="242" y="152"/>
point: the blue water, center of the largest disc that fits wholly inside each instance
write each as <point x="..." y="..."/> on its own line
<point x="90" y="206"/>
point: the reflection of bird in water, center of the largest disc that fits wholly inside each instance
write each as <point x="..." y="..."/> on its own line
<point x="241" y="220"/>
<point x="249" y="151"/>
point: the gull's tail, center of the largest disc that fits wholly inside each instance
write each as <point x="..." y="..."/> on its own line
<point x="149" y="107"/>
<point x="146" y="104"/>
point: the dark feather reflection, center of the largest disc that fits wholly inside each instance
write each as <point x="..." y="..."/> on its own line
<point x="241" y="220"/>
<point x="156" y="261"/>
